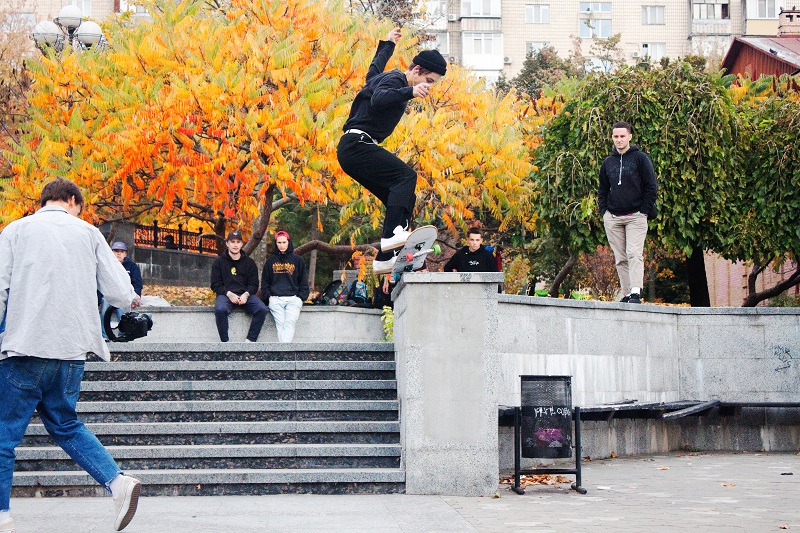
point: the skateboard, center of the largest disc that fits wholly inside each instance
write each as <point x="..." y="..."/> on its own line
<point x="420" y="243"/>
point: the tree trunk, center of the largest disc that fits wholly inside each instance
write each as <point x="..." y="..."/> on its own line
<point x="753" y="297"/>
<point x="556" y="285"/>
<point x="312" y="260"/>
<point x="341" y="250"/>
<point x="262" y="223"/>
<point x="651" y="278"/>
<point x="220" y="225"/>
<point x="698" y="282"/>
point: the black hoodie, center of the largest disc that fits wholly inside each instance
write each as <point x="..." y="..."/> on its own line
<point x="238" y="276"/>
<point x="627" y="183"/>
<point x="284" y="274"/>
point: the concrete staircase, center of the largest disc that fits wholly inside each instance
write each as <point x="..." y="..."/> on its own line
<point x="203" y="419"/>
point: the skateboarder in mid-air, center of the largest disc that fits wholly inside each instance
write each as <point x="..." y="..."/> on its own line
<point x="376" y="110"/>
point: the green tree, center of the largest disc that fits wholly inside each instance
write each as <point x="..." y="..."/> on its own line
<point x="764" y="205"/>
<point x="684" y="119"/>
<point x="542" y="68"/>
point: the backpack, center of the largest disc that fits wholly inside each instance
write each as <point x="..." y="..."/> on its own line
<point x="358" y="292"/>
<point x="331" y="294"/>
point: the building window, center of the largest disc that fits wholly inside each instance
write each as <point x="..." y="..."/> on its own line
<point x="654" y="51"/>
<point x="708" y="11"/>
<point x="595" y="7"/>
<point x="539" y="14"/>
<point x="764" y="9"/>
<point x="600" y="28"/>
<point x="437" y="40"/>
<point x="653" y="14"/>
<point x="84" y="5"/>
<point x="480" y="8"/>
<point x="533" y="47"/>
<point x="483" y="44"/>
<point x="437" y="9"/>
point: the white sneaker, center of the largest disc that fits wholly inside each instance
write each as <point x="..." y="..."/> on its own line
<point x="8" y="526"/>
<point x="397" y="241"/>
<point x="126" y="501"/>
<point x="383" y="267"/>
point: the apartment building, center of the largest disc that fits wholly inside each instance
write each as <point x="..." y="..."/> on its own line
<point x="39" y="10"/>
<point x="494" y="36"/>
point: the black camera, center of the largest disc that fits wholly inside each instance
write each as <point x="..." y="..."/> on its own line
<point x="130" y="325"/>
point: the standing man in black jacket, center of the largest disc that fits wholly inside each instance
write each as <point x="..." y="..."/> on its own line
<point x="376" y="110"/>
<point x="284" y="283"/>
<point x="472" y="258"/>
<point x="626" y="196"/>
<point x="234" y="279"/>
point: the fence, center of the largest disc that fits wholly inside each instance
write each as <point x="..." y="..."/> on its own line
<point x="174" y="239"/>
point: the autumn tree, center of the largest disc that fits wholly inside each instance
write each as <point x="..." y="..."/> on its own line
<point x="15" y="46"/>
<point x="764" y="205"/>
<point x="684" y="119"/>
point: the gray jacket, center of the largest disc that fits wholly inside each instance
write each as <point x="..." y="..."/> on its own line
<point x="53" y="264"/>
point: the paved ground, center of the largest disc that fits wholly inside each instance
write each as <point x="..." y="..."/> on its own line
<point x="674" y="492"/>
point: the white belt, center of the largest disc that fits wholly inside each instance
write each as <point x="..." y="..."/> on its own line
<point x="359" y="132"/>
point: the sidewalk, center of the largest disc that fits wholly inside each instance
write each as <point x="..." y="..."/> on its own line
<point x="725" y="492"/>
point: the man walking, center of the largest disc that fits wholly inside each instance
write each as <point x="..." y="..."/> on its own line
<point x="626" y="195"/>
<point x="234" y="279"/>
<point x="284" y="284"/>
<point x="51" y="266"/>
<point x="376" y="111"/>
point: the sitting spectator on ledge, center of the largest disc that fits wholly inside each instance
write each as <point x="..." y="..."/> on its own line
<point x="472" y="258"/>
<point x="234" y="279"/>
<point x="284" y="284"/>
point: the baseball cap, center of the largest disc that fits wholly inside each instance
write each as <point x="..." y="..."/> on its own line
<point x="235" y="235"/>
<point x="282" y="234"/>
<point x="119" y="245"/>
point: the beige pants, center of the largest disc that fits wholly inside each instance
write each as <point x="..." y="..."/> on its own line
<point x="626" y="236"/>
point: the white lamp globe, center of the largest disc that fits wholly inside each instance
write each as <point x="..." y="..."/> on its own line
<point x="69" y="17"/>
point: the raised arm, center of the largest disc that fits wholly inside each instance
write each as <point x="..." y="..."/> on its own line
<point x="384" y="53"/>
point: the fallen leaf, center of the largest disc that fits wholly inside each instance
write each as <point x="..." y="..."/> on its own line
<point x="728" y="484"/>
<point x="614" y="455"/>
<point x="496" y="495"/>
<point x="783" y="526"/>
<point x="537" y="479"/>
<point x="664" y="468"/>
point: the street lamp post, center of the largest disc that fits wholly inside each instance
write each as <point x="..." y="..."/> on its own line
<point x="67" y="27"/>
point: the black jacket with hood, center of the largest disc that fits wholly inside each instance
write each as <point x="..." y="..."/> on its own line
<point x="235" y="275"/>
<point x="627" y="183"/>
<point x="284" y="274"/>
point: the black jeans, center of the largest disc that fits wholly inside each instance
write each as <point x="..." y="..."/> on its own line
<point x="383" y="174"/>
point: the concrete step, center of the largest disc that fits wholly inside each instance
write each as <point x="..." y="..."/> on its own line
<point x="183" y="433"/>
<point x="243" y="389"/>
<point x="207" y="482"/>
<point x="244" y="456"/>
<point x="235" y="370"/>
<point x="232" y="411"/>
<point x="232" y="351"/>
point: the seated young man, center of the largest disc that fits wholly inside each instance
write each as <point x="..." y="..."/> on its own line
<point x="473" y="257"/>
<point x="234" y="279"/>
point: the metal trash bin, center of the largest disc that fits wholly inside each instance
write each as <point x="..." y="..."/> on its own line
<point x="543" y="427"/>
<point x="546" y="417"/>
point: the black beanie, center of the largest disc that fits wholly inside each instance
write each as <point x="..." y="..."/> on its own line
<point x="431" y="60"/>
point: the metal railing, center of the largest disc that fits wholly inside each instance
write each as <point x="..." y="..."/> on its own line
<point x="174" y="239"/>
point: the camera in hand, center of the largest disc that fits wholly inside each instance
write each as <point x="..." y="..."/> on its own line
<point x="131" y="325"/>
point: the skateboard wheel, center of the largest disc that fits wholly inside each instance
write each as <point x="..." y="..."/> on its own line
<point x="409" y="257"/>
<point x="437" y="249"/>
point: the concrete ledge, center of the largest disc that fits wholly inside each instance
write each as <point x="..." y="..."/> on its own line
<point x="317" y="324"/>
<point x="141" y="346"/>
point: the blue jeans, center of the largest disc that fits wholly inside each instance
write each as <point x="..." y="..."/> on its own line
<point x="254" y="306"/>
<point x="51" y="387"/>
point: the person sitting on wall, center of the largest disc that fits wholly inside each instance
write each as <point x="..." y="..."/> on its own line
<point x="472" y="258"/>
<point x="284" y="284"/>
<point x="234" y="279"/>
